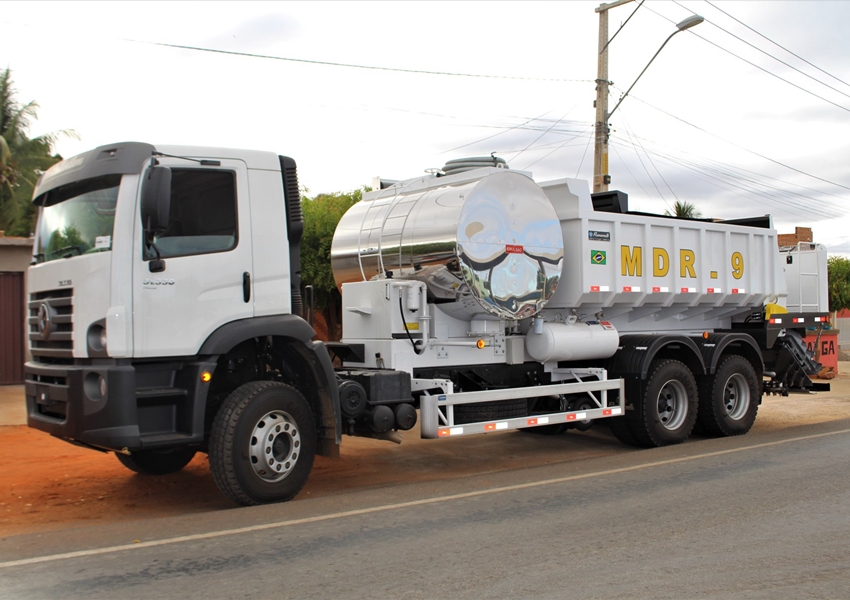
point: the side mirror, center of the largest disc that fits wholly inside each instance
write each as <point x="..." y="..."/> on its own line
<point x="156" y="198"/>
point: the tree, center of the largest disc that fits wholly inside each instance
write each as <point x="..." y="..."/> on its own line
<point x="321" y="216"/>
<point x="684" y="210"/>
<point x="838" y="269"/>
<point x="22" y="159"/>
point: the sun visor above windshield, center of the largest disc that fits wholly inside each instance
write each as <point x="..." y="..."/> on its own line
<point x="114" y="159"/>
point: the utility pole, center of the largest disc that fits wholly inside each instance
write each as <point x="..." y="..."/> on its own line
<point x="601" y="178"/>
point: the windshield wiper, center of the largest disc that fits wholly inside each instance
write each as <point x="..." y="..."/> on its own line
<point x="66" y="249"/>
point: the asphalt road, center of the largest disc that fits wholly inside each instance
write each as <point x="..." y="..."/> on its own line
<point x="762" y="516"/>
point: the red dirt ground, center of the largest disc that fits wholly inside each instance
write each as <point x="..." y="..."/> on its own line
<point x="48" y="484"/>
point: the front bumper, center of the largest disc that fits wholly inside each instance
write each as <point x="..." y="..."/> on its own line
<point x="93" y="405"/>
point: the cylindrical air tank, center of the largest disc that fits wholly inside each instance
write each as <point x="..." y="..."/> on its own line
<point x="571" y="341"/>
<point x="486" y="243"/>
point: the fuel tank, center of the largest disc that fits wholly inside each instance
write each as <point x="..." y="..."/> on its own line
<point x="485" y="242"/>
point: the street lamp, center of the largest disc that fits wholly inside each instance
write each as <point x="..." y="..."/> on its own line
<point x="601" y="179"/>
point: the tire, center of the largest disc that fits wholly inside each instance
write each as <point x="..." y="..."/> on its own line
<point x="157" y="462"/>
<point x="666" y="408"/>
<point x="622" y="430"/>
<point x="729" y="399"/>
<point x="584" y="404"/>
<point x="262" y="443"/>
<point x="490" y="411"/>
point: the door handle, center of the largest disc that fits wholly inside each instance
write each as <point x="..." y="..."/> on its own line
<point x="246" y="286"/>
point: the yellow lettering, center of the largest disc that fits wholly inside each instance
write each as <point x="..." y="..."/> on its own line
<point x="660" y="262"/>
<point x="737" y="265"/>
<point x="632" y="260"/>
<point x="686" y="266"/>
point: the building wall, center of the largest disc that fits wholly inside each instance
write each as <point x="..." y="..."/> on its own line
<point x="15" y="257"/>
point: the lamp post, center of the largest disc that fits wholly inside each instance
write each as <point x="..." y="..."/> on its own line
<point x="601" y="178"/>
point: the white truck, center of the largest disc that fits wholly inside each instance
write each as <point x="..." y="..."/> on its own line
<point x="165" y="314"/>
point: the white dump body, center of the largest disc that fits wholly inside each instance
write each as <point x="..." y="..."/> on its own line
<point x="652" y="273"/>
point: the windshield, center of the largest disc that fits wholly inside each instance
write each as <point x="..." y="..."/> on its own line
<point x="77" y="219"/>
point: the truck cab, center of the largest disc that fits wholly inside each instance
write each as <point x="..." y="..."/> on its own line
<point x="160" y="276"/>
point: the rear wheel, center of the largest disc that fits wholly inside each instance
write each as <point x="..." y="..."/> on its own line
<point x="665" y="409"/>
<point x="157" y="462"/>
<point x="262" y="443"/>
<point x="729" y="399"/>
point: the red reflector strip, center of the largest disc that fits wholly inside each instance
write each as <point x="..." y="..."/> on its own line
<point x="571" y="417"/>
<point x="799" y="320"/>
<point x="774" y="321"/>
<point x="738" y="290"/>
<point x="490" y="427"/>
<point x="714" y="291"/>
<point x="685" y="290"/>
<point x="594" y="288"/>
<point x="606" y="413"/>
<point x="450" y="431"/>
<point x="819" y="319"/>
<point x="531" y="422"/>
<point x="627" y="288"/>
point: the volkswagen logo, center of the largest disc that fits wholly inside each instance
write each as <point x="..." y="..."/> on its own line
<point x="45" y="320"/>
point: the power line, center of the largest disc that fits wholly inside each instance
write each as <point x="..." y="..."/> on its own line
<point x="781" y="164"/>
<point x="628" y="127"/>
<point x="726" y="178"/>
<point x="777" y="44"/>
<point x="719" y="47"/>
<point x="769" y="54"/>
<point x="495" y="134"/>
<point x="352" y="66"/>
<point x="544" y="133"/>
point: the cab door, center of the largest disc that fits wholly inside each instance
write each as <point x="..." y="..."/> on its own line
<point x="196" y="276"/>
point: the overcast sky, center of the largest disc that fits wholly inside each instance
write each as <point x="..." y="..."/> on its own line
<point x="714" y="121"/>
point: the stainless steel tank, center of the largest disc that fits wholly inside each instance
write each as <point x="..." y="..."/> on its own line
<point x="484" y="242"/>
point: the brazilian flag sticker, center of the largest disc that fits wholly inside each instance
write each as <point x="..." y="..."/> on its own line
<point x="597" y="257"/>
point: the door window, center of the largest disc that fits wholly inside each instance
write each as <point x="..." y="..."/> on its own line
<point x="203" y="215"/>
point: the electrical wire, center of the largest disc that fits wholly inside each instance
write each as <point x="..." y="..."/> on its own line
<point x="753" y="152"/>
<point x="559" y="147"/>
<point x="740" y="39"/>
<point x="586" y="148"/>
<point x="544" y="133"/>
<point x="621" y="27"/>
<point x="777" y="44"/>
<point x="752" y="64"/>
<point x="351" y="65"/>
<point x="628" y="128"/>
<point x="495" y="134"/>
<point x="725" y="177"/>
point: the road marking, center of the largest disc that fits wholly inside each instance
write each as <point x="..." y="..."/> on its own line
<point x="386" y="507"/>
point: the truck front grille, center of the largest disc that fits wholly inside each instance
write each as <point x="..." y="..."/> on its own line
<point x="51" y="325"/>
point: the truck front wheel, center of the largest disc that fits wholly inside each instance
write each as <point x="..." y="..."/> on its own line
<point x="262" y="443"/>
<point x="729" y="399"/>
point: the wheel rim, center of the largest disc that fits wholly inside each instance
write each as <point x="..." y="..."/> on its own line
<point x="672" y="404"/>
<point x="275" y="445"/>
<point x="736" y="396"/>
